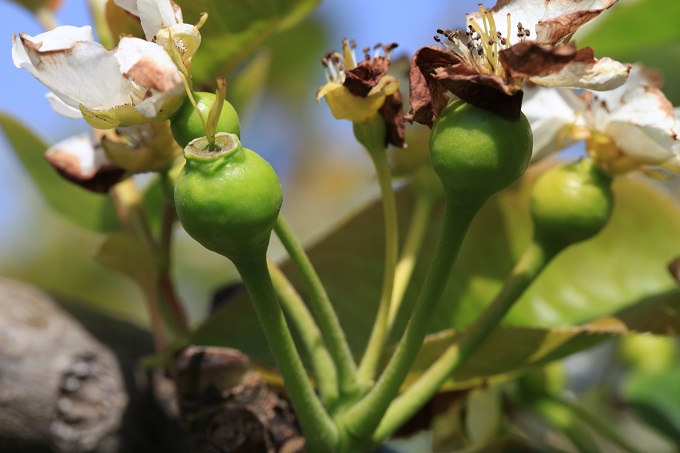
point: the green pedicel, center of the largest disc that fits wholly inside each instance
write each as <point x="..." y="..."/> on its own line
<point x="476" y="154"/>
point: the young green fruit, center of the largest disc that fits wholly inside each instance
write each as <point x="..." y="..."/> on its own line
<point x="186" y="125"/>
<point x="229" y="199"/>
<point x="477" y="153"/>
<point x="571" y="203"/>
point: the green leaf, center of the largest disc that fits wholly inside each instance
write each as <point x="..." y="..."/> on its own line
<point x="235" y="27"/>
<point x="654" y="396"/>
<point x="510" y="349"/>
<point x="611" y="274"/>
<point x="123" y="253"/>
<point x="87" y="209"/>
<point x="37" y="6"/>
<point x="632" y="26"/>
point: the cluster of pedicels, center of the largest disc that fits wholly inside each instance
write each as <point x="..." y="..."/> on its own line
<point x="125" y="94"/>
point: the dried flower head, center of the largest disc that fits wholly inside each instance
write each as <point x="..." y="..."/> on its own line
<point x="487" y="63"/>
<point x="357" y="91"/>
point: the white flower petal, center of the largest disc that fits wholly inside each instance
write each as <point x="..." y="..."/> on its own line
<point x="61" y="107"/>
<point x="150" y="67"/>
<point x="552" y="113"/>
<point x="86" y="157"/>
<point x="638" y="118"/>
<point x="154" y="14"/>
<point x="62" y="37"/>
<point x="83" y="73"/>
<point x="644" y="126"/>
<point x="549" y="21"/>
<point x="637" y="77"/>
<point x="645" y="144"/>
<point x="603" y="74"/>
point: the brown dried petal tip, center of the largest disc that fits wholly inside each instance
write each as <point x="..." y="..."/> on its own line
<point x="100" y="180"/>
<point x="392" y="112"/>
<point x="528" y="59"/>
<point x="427" y="96"/>
<point x="435" y="71"/>
<point x="361" y="80"/>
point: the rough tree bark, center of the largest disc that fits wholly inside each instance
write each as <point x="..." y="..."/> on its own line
<point x="60" y="389"/>
<point x="63" y="391"/>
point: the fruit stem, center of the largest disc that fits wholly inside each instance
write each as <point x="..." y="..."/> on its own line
<point x="190" y="95"/>
<point x="420" y="221"/>
<point x="308" y="331"/>
<point x="317" y="426"/>
<point x="371" y="359"/>
<point x="323" y="309"/>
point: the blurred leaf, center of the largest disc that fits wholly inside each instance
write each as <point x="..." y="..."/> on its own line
<point x="296" y="74"/>
<point x="634" y="25"/>
<point x="38" y="5"/>
<point x="152" y="200"/>
<point x="235" y="27"/>
<point x="643" y="31"/>
<point x="250" y="82"/>
<point x="512" y="443"/>
<point x="92" y="211"/>
<point x="484" y="415"/>
<point x="123" y="253"/>
<point x="655" y="397"/>
<point x="509" y="349"/>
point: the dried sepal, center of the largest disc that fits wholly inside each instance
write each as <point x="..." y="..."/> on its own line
<point x="83" y="162"/>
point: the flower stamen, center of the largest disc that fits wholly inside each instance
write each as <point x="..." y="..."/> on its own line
<point x="481" y="44"/>
<point x="336" y="64"/>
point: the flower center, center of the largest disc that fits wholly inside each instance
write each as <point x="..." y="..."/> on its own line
<point x="606" y="153"/>
<point x="481" y="43"/>
<point x="337" y="64"/>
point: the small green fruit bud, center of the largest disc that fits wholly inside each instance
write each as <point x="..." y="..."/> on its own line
<point x="186" y="125"/>
<point x="228" y="199"/>
<point x="571" y="203"/>
<point x="477" y="153"/>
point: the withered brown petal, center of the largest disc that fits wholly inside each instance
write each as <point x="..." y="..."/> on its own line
<point x="435" y="71"/>
<point x="488" y="92"/>
<point x="392" y="112"/>
<point x="528" y="59"/>
<point x="427" y="96"/>
<point x="553" y="30"/>
<point x="100" y="180"/>
<point x="361" y="79"/>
